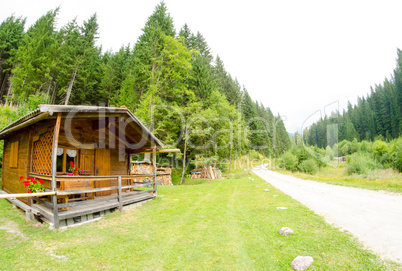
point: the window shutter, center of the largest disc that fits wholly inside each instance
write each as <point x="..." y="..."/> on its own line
<point x="14" y="154"/>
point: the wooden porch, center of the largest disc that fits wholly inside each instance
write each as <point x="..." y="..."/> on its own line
<point x="80" y="205"/>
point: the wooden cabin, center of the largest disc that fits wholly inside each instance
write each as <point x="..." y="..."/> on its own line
<point x="98" y="140"/>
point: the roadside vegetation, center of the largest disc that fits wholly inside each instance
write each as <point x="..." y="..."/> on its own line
<point x="372" y="165"/>
<point x="229" y="224"/>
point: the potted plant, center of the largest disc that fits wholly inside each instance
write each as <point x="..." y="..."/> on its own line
<point x="73" y="170"/>
<point x="32" y="185"/>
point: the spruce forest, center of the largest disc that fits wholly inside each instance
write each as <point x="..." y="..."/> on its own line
<point x="169" y="79"/>
<point x="368" y="133"/>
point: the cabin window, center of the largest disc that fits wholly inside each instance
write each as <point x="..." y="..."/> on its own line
<point x="64" y="157"/>
<point x="14" y="154"/>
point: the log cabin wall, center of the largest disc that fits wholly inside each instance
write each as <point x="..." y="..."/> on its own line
<point x="89" y="135"/>
<point x="15" y="161"/>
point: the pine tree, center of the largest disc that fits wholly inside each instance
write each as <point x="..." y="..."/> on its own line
<point x="201" y="79"/>
<point x="188" y="36"/>
<point x="398" y="83"/>
<point x="226" y="85"/>
<point x="33" y="59"/>
<point x="11" y="34"/>
<point x="202" y="46"/>
<point x="88" y="67"/>
<point x="147" y="64"/>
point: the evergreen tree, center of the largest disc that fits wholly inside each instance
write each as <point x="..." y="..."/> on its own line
<point x="115" y="69"/>
<point x="11" y="34"/>
<point x="33" y="60"/>
<point x="88" y="67"/>
<point x="201" y="79"/>
<point x="188" y="36"/>
<point x="202" y="47"/>
<point x="226" y="85"/>
<point x="398" y="83"/>
<point x="148" y="58"/>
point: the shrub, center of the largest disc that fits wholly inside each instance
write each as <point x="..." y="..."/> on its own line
<point x="329" y="153"/>
<point x="361" y="163"/>
<point x="366" y="146"/>
<point x="300" y="153"/>
<point x="289" y="161"/>
<point x="308" y="166"/>
<point x="396" y="154"/>
<point x="379" y="148"/>
<point x="355" y="146"/>
<point x="344" y="148"/>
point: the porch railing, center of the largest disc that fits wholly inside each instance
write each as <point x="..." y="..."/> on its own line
<point x="126" y="194"/>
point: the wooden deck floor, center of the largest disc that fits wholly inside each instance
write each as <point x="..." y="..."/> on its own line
<point x="92" y="207"/>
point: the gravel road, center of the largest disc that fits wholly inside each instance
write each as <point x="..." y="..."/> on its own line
<point x="375" y="218"/>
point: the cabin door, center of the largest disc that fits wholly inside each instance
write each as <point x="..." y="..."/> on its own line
<point x="87" y="165"/>
<point x="102" y="168"/>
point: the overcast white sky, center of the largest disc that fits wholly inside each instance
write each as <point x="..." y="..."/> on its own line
<point x="296" y="57"/>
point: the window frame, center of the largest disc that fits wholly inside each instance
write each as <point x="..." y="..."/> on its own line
<point x="64" y="163"/>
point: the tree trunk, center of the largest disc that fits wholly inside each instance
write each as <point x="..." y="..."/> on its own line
<point x="184" y="157"/>
<point x="9" y="92"/>
<point x="230" y="157"/>
<point x="53" y="98"/>
<point x="70" y="86"/>
<point x="4" y="84"/>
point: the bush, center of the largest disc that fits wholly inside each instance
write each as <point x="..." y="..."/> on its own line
<point x="355" y="146"/>
<point x="379" y="148"/>
<point x="289" y="161"/>
<point x="308" y="166"/>
<point x="344" y="148"/>
<point x="366" y="146"/>
<point x="361" y="163"/>
<point x="329" y="153"/>
<point x="396" y="154"/>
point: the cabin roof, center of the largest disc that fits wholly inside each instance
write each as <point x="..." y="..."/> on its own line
<point x="46" y="111"/>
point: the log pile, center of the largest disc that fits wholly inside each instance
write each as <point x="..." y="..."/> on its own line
<point x="146" y="168"/>
<point x="208" y="172"/>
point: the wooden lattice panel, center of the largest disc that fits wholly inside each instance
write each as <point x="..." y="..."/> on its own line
<point x="42" y="153"/>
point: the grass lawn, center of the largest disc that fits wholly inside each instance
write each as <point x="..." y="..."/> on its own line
<point x="228" y="224"/>
<point x="381" y="179"/>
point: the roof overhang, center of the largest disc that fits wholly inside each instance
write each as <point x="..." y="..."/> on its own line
<point x="70" y="111"/>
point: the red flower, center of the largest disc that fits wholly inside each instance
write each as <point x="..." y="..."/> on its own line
<point x="32" y="179"/>
<point x="34" y="182"/>
<point x="22" y="177"/>
<point x="29" y="191"/>
<point x="72" y="164"/>
<point x="41" y="181"/>
<point x="75" y="168"/>
<point x="73" y="172"/>
<point x="28" y="179"/>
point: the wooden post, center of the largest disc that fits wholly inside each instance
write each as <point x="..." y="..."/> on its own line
<point x="54" y="170"/>
<point x="119" y="193"/>
<point x="154" y="165"/>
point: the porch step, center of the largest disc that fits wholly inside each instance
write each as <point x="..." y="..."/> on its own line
<point x="29" y="212"/>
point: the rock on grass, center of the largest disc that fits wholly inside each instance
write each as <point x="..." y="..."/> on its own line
<point x="285" y="231"/>
<point x="301" y="262"/>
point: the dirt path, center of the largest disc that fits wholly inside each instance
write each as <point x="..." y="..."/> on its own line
<point x="373" y="217"/>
